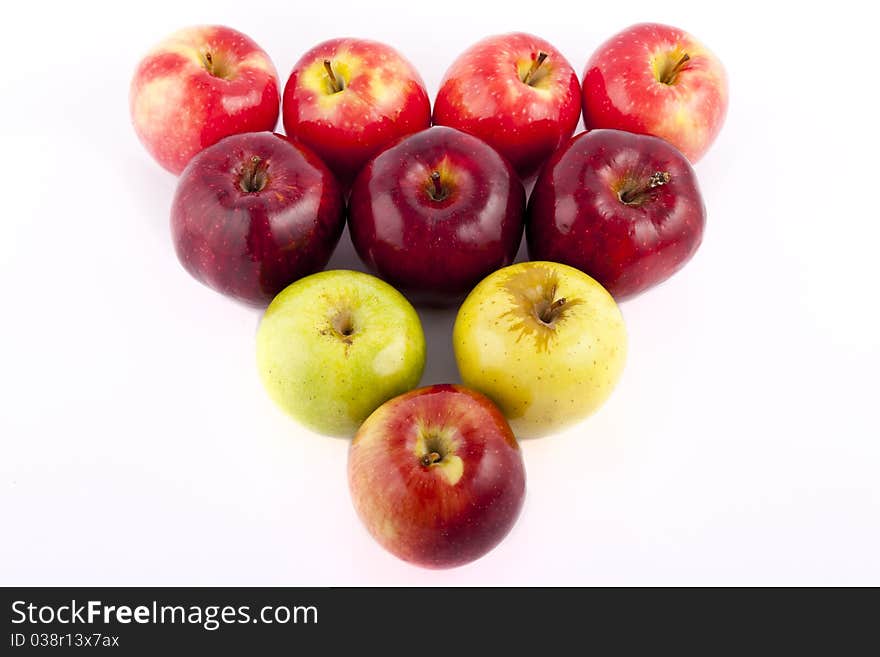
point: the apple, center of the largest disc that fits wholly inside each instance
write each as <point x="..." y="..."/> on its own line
<point x="436" y="213"/>
<point x="517" y="93"/>
<point x="253" y="213"/>
<point x="335" y="345"/>
<point x="198" y="86"/>
<point x="624" y="208"/>
<point x="657" y="80"/>
<point x="349" y="98"/>
<point x="436" y="476"/>
<point x="542" y="340"/>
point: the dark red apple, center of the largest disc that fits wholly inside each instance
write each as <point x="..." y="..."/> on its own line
<point x="436" y="476"/>
<point x="437" y="212"/>
<point x="349" y="98"/>
<point x="624" y="208"/>
<point x="517" y="93"/>
<point x="253" y="213"/>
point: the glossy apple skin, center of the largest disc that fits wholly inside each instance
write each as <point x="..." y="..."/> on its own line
<point x="335" y="345"/>
<point x="437" y="250"/>
<point x="483" y="94"/>
<point x="448" y="513"/>
<point x="178" y="106"/>
<point x="622" y="89"/>
<point x="383" y="99"/>
<point x="577" y="217"/>
<point x="544" y="375"/>
<point x="251" y="245"/>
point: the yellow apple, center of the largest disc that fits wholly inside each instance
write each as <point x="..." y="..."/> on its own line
<point x="544" y="341"/>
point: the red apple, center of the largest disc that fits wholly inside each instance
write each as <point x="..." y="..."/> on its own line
<point x="657" y="80"/>
<point x="436" y="213"/>
<point x="436" y="476"/>
<point x="253" y="213"/>
<point x="624" y="208"/>
<point x="199" y="85"/>
<point x="517" y="93"/>
<point x="349" y="98"/>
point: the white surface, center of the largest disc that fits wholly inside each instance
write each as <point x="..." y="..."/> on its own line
<point x="741" y="447"/>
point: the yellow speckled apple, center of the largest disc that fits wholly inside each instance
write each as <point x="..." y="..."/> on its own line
<point x="544" y="341"/>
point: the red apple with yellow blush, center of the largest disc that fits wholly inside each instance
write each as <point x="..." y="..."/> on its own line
<point x="437" y="476"/>
<point x="349" y="98"/>
<point x="517" y="93"/>
<point x="657" y="80"/>
<point x="198" y="86"/>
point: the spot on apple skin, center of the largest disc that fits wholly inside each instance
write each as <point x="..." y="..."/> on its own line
<point x="388" y="530"/>
<point x="451" y="467"/>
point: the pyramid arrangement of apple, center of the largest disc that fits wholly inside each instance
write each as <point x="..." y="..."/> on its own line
<point x="438" y="214"/>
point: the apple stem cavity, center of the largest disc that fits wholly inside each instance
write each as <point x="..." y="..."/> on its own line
<point x="528" y="78"/>
<point x="343" y="324"/>
<point x="668" y="76"/>
<point x="254" y="176"/>
<point x="336" y="84"/>
<point x="218" y="67"/>
<point x="435" y="450"/>
<point x="638" y="195"/>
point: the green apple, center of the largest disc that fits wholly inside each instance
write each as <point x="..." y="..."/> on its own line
<point x="544" y="341"/>
<point x="334" y="346"/>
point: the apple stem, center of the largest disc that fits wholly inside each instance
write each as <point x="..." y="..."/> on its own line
<point x="536" y="64"/>
<point x="254" y="176"/>
<point x="551" y="311"/>
<point x="636" y="196"/>
<point x="430" y="459"/>
<point x="437" y="192"/>
<point x="335" y="83"/>
<point x="669" y="76"/>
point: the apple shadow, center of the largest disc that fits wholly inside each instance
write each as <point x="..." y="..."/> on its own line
<point x="344" y="256"/>
<point x="440" y="365"/>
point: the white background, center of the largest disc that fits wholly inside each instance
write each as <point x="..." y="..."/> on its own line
<point x="741" y="446"/>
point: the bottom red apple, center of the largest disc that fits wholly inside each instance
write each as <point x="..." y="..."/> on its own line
<point x="437" y="476"/>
